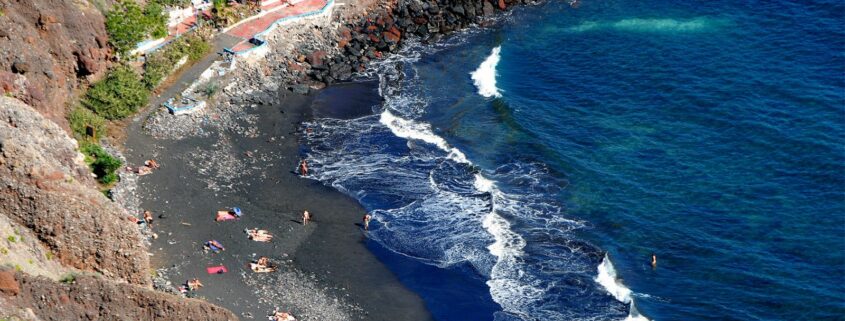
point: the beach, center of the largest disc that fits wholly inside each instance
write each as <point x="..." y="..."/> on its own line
<point x="326" y="272"/>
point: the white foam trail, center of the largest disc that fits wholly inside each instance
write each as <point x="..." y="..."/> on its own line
<point x="608" y="279"/>
<point x="652" y="25"/>
<point x="412" y="130"/>
<point x="485" y="76"/>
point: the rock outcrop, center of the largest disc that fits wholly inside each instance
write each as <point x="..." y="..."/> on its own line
<point x="93" y="298"/>
<point x="48" y="48"/>
<point x="46" y="187"/>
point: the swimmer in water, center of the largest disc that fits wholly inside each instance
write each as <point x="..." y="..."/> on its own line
<point x="653" y="261"/>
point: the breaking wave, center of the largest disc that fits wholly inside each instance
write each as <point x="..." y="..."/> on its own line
<point x="485" y="76"/>
<point x="610" y="281"/>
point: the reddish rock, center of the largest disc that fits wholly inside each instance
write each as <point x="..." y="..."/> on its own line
<point x="391" y="37"/>
<point x="315" y="58"/>
<point x="502" y="4"/>
<point x="395" y="31"/>
<point x="371" y="28"/>
<point x="63" y="43"/>
<point x="374" y="38"/>
<point x="8" y="284"/>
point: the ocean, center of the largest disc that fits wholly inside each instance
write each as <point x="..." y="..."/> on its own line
<point x="529" y="170"/>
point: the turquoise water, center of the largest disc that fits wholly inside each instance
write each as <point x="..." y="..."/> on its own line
<point x="708" y="133"/>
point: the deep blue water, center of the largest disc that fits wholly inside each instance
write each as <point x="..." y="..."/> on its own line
<point x="709" y="133"/>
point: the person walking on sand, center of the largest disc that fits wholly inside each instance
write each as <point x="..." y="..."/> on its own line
<point x="367" y="219"/>
<point x="306" y="217"/>
<point x="303" y="167"/>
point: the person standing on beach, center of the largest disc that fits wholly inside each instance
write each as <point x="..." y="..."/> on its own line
<point x="306" y="217"/>
<point x="148" y="218"/>
<point x="303" y="168"/>
<point x="367" y="219"/>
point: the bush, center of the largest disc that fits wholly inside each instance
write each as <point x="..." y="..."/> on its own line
<point x="119" y="95"/>
<point x="174" y="3"/>
<point x="155" y="20"/>
<point x="68" y="278"/>
<point x="162" y="62"/>
<point x="128" y="25"/>
<point x="101" y="162"/>
<point x="198" y="47"/>
<point x="80" y="119"/>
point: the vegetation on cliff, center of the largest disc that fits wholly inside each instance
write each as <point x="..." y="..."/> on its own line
<point x="119" y="95"/>
<point x="161" y="63"/>
<point x="128" y="24"/>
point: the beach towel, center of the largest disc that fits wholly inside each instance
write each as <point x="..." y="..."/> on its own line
<point x="224" y="216"/>
<point x="216" y="269"/>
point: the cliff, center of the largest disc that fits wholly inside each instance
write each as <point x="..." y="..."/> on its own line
<point x="48" y="49"/>
<point x="54" y="223"/>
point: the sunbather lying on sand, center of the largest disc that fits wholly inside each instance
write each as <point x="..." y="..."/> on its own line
<point x="262" y="265"/>
<point x="259" y="235"/>
<point x="213" y="245"/>
<point x="193" y="284"/>
<point x="282" y="316"/>
<point x="151" y="163"/>
<point x="235" y="213"/>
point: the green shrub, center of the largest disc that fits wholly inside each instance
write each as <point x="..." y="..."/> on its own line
<point x="118" y="95"/>
<point x="155" y="20"/>
<point x="174" y="3"/>
<point x="127" y="24"/>
<point x="101" y="162"/>
<point x="68" y="278"/>
<point x="161" y="63"/>
<point x="11" y="238"/>
<point x="80" y="119"/>
<point x="198" y="47"/>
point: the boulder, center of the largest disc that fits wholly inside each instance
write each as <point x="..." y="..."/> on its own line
<point x="8" y="284"/>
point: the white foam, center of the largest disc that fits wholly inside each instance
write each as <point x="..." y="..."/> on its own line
<point x="653" y="25"/>
<point x="505" y="286"/>
<point x="485" y="76"/>
<point x="409" y="129"/>
<point x="608" y="279"/>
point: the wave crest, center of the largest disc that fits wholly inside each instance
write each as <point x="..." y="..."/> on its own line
<point x="485" y="76"/>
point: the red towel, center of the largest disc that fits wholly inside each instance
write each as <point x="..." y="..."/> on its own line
<point x="216" y="269"/>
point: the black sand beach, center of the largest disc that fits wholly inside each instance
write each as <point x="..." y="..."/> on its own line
<point x="326" y="271"/>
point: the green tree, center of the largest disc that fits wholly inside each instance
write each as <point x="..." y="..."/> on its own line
<point x="126" y="26"/>
<point x="119" y="95"/>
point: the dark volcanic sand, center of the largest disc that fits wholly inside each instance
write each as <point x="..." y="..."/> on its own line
<point x="199" y="176"/>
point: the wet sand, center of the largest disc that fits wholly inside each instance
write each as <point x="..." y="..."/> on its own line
<point x="326" y="272"/>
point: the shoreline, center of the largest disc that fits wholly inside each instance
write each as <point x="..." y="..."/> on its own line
<point x="241" y="151"/>
<point x="335" y="276"/>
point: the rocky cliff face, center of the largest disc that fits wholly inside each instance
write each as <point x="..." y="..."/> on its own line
<point x="92" y="298"/>
<point x="54" y="222"/>
<point x="48" y="48"/>
<point x="46" y="187"/>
